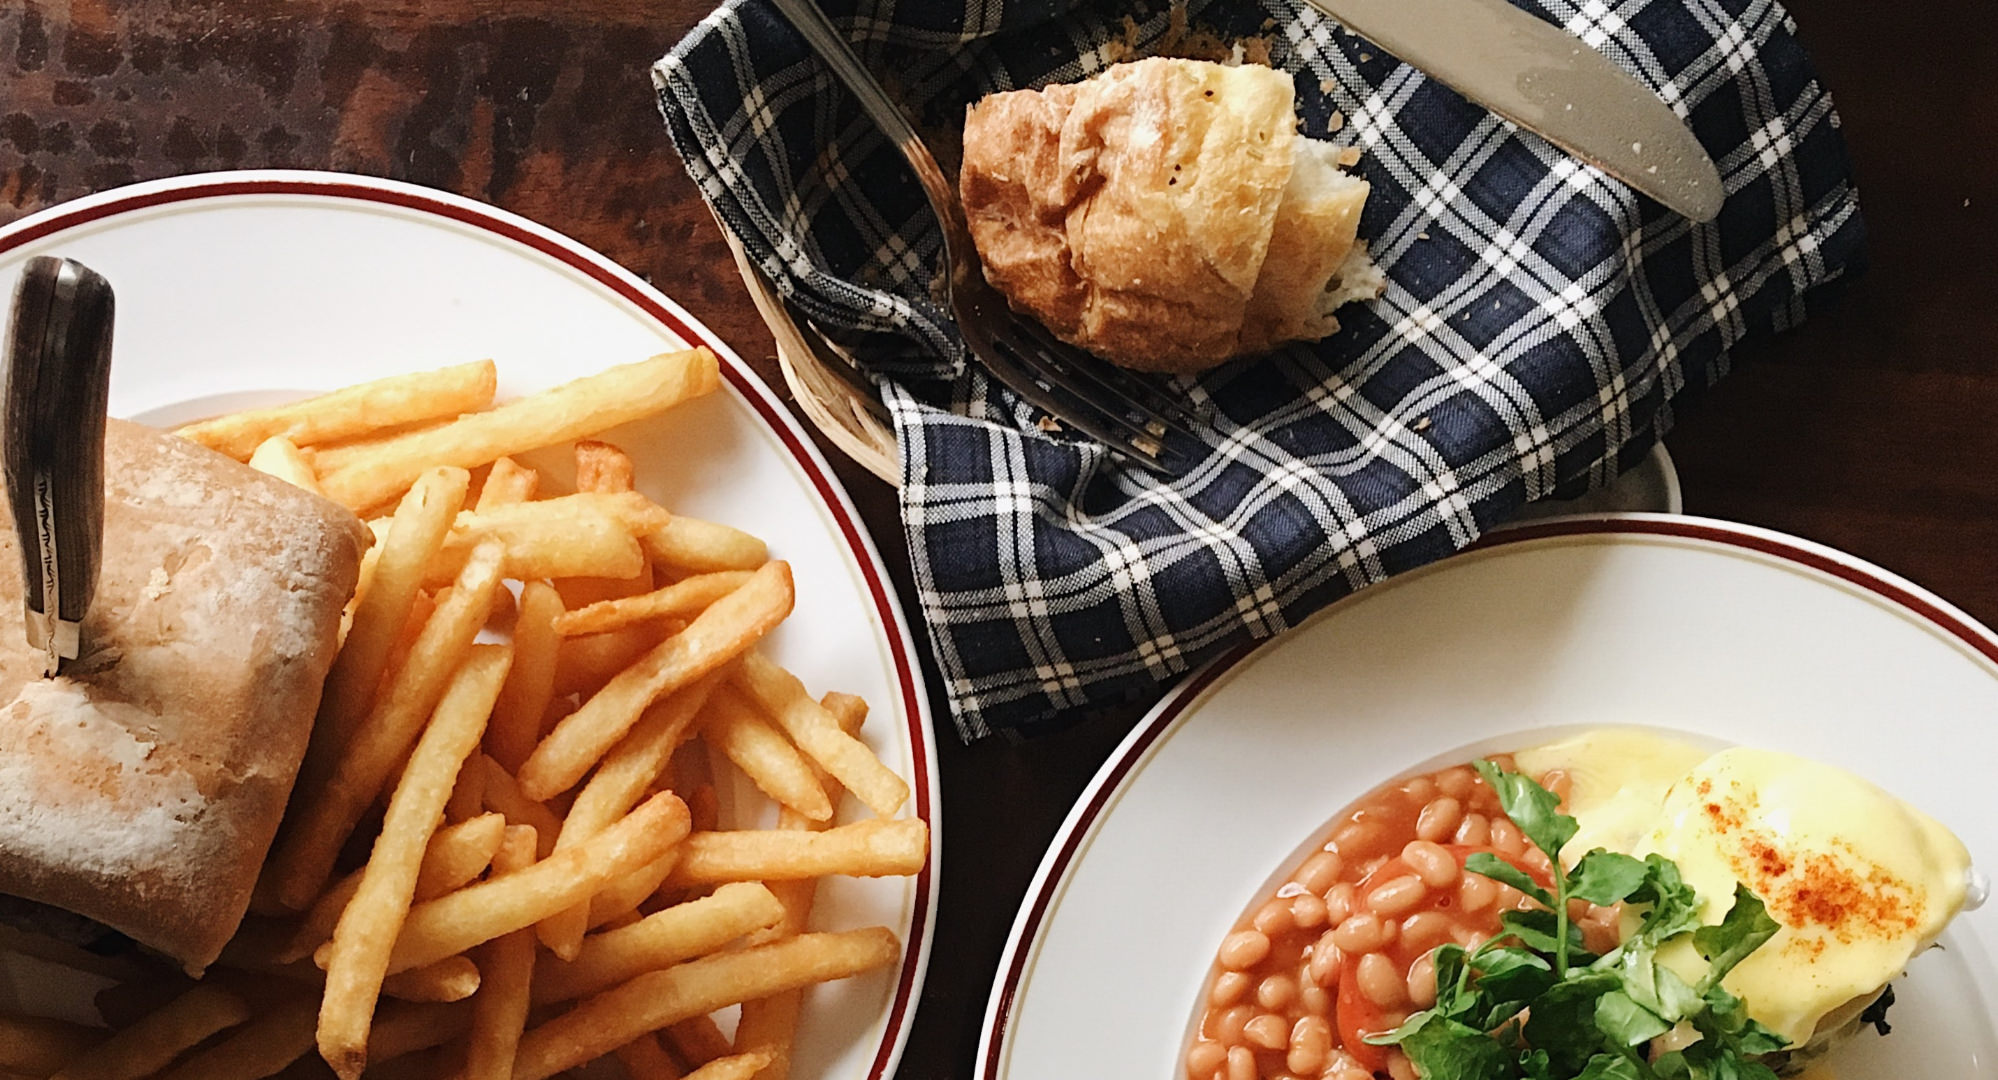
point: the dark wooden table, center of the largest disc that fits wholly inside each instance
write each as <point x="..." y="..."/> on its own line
<point x="1873" y="429"/>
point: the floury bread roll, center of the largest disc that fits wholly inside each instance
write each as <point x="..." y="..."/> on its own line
<point x="141" y="788"/>
<point x="1165" y="214"/>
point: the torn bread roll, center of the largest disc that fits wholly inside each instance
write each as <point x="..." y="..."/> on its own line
<point x="141" y="787"/>
<point x="1165" y="214"/>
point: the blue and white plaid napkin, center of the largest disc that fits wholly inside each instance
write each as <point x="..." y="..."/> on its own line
<point x="1540" y="326"/>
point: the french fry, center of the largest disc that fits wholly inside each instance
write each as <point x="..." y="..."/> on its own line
<point x="732" y="725"/>
<point x="260" y="1048"/>
<point x="456" y="854"/>
<point x="683" y="599"/>
<point x="414" y="535"/>
<point x="280" y="457"/>
<point x="507" y="482"/>
<point x="516" y="724"/>
<point x="503" y="795"/>
<point x="871" y="848"/>
<point x="733" y="1067"/>
<point x="645" y="1059"/>
<point x="453" y="978"/>
<point x="359" y="956"/>
<point x="661" y="939"/>
<point x="151" y="1044"/>
<point x="500" y="1013"/>
<point x="697" y="1040"/>
<point x="586" y="406"/>
<point x="603" y="467"/>
<point x="479" y="913"/>
<point x="304" y="859"/>
<point x="770" y="1025"/>
<point x="405" y="1028"/>
<point x="720" y="633"/>
<point x="618" y="901"/>
<point x="618" y="783"/>
<point x="468" y="797"/>
<point x="589" y="544"/>
<point x="123" y="1004"/>
<point x="38" y="1046"/>
<point x="634" y="513"/>
<point x="693" y="546"/>
<point x="355" y="411"/>
<point x="63" y="954"/>
<point x="600" y="1024"/>
<point x="586" y="664"/>
<point x="818" y="734"/>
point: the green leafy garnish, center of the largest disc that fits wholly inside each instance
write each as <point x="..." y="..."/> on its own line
<point x="1535" y="1004"/>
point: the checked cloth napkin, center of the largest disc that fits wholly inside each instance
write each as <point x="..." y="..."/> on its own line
<point x="1540" y="325"/>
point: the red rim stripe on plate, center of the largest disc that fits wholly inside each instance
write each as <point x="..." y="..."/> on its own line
<point x="574" y="255"/>
<point x="1879" y="582"/>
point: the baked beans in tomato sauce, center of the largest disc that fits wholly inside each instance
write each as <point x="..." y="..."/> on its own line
<point x="1344" y="947"/>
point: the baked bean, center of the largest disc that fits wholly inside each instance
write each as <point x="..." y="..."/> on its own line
<point x="1507" y="838"/>
<point x="1504" y="762"/>
<point x="1310" y="1042"/>
<point x="1476" y="892"/>
<point x="1536" y="863"/>
<point x="1229" y="987"/>
<point x="1274" y="918"/>
<point x="1241" y="1063"/>
<point x="1244" y="949"/>
<point x="1424" y="930"/>
<point x="1366" y="869"/>
<point x="1380" y="981"/>
<point x="1319" y="872"/>
<point x="1276" y="992"/>
<point x="1422" y="981"/>
<point x="1228" y="1026"/>
<point x="1316" y="1000"/>
<point x="1433" y="863"/>
<point x="1307" y="911"/>
<point x="1400" y="1067"/>
<point x="1341" y="901"/>
<point x="1438" y="821"/>
<point x="1457" y="782"/>
<point x="1397" y="897"/>
<point x="1421" y="789"/>
<point x="1471" y="939"/>
<point x="1358" y="840"/>
<point x="1205" y="1059"/>
<point x="1474" y="831"/>
<point x="1326" y="959"/>
<point x="1268" y="1031"/>
<point x="1509" y="897"/>
<point x="1363" y="933"/>
<point x="1559" y="782"/>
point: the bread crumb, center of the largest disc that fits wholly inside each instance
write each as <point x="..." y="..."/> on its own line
<point x="1336" y="121"/>
<point x="1364" y="57"/>
<point x="1421" y="424"/>
<point x="1326" y="86"/>
<point x="1048" y="424"/>
<point x="157" y="583"/>
<point x="1349" y="156"/>
<point x="1422" y="235"/>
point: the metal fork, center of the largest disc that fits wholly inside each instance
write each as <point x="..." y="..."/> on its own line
<point x="1116" y="408"/>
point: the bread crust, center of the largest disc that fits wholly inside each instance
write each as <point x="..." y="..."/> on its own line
<point x="142" y="787"/>
<point x="1135" y="214"/>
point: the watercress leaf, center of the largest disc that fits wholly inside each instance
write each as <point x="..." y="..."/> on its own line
<point x="1672" y="1065"/>
<point x="1609" y="1067"/>
<point x="1675" y="907"/>
<point x="1491" y="866"/>
<point x="1753" y="1038"/>
<point x="1750" y="1069"/>
<point x="1533" y="1065"/>
<point x="1446" y="1050"/>
<point x="1605" y="878"/>
<point x="1537" y="929"/>
<point x="1658" y="988"/>
<point x="1625" y="1021"/>
<point x="1563" y="1020"/>
<point x="1508" y="980"/>
<point x="1408" y="1027"/>
<point x="1536" y="810"/>
<point x="1745" y="928"/>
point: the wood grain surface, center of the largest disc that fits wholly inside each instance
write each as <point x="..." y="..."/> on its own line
<point x="1873" y="429"/>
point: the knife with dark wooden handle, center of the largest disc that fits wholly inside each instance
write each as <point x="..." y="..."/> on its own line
<point x="58" y="384"/>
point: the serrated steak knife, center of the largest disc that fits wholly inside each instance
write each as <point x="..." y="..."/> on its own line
<point x="1544" y="79"/>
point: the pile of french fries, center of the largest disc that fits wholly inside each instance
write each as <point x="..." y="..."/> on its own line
<point x="502" y="859"/>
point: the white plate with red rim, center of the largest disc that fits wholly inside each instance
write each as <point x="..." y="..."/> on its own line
<point x="238" y="289"/>
<point x="1722" y="632"/>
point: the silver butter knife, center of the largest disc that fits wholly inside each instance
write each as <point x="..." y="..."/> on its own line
<point x="58" y="381"/>
<point x="1544" y="79"/>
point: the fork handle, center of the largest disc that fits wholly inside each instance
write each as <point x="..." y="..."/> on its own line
<point x="825" y="40"/>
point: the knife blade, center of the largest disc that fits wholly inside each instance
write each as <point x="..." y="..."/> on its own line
<point x="58" y="383"/>
<point x="1548" y="81"/>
